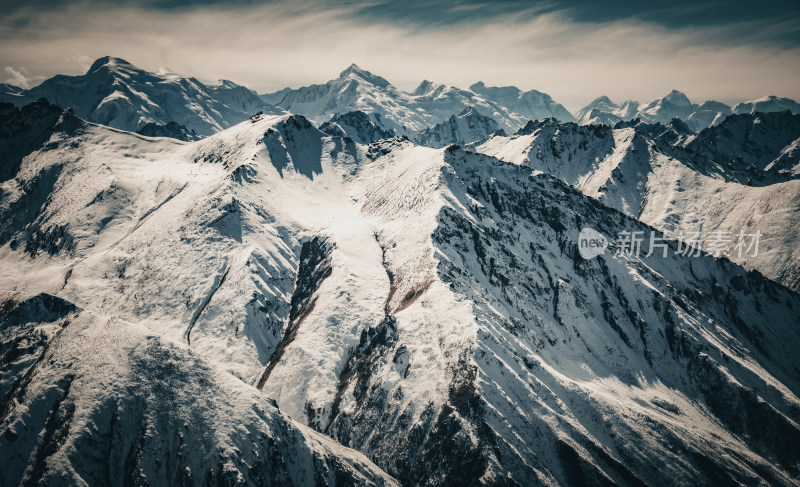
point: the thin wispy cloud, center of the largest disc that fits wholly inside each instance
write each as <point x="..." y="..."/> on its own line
<point x="16" y="77"/>
<point x="274" y="45"/>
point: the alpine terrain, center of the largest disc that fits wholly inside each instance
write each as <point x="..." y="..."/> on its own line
<point x="372" y="287"/>
<point x="118" y="94"/>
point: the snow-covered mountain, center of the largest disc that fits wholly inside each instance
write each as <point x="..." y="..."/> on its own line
<point x="676" y="105"/>
<point x="275" y="97"/>
<point x="767" y="104"/>
<point x="356" y="89"/>
<point x="359" y="90"/>
<point x="100" y="396"/>
<point x="532" y="105"/>
<point x="445" y="101"/>
<point x="602" y="111"/>
<point x="707" y="114"/>
<point x="756" y="140"/>
<point x="788" y="162"/>
<point x="118" y="94"/>
<point x="426" y="307"/>
<point x="359" y="126"/>
<point x="23" y="131"/>
<point x="465" y="128"/>
<point x="711" y="181"/>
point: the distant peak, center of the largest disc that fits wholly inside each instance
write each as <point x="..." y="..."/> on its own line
<point x="354" y="71"/>
<point x="602" y="99"/>
<point x="477" y="86"/>
<point x="353" y="68"/>
<point x="226" y="83"/>
<point x="424" y="88"/>
<point x="108" y="61"/>
<point x="677" y="98"/>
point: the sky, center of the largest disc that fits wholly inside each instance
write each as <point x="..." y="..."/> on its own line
<point x="573" y="50"/>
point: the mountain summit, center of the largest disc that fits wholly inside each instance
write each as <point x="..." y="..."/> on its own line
<point x="116" y="93"/>
<point x="353" y="71"/>
<point x="109" y="62"/>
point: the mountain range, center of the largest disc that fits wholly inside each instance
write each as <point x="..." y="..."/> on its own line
<point x="116" y="93"/>
<point x="356" y="89"/>
<point x="390" y="289"/>
<point x="740" y="175"/>
<point x="677" y="105"/>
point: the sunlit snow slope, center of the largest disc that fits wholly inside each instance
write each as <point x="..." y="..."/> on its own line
<point x="426" y="307"/>
<point x="736" y="176"/>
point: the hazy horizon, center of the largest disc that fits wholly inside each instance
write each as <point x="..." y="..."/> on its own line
<point x="572" y="53"/>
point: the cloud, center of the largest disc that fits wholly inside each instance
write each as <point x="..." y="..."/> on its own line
<point x="17" y="77"/>
<point x="271" y="46"/>
<point x="82" y="61"/>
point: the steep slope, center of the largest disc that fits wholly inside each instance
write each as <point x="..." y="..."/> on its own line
<point x="674" y="105"/>
<point x="428" y="307"/>
<point x="359" y="90"/>
<point x="602" y="103"/>
<point x="601" y="111"/>
<point x="539" y="367"/>
<point x="358" y="126"/>
<point x="356" y="89"/>
<point x="707" y="183"/>
<point x="116" y="93"/>
<point x="94" y="399"/>
<point x="467" y="127"/>
<point x="24" y="130"/>
<point x="532" y="105"/>
<point x="445" y="101"/>
<point x="569" y="151"/>
<point x="130" y="374"/>
<point x="750" y="139"/>
<point x="788" y="162"/>
<point x="275" y="97"/>
<point x="707" y="114"/>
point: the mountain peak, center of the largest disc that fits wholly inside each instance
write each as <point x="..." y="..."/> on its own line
<point x="108" y="61"/>
<point x="677" y="98"/>
<point x="352" y="69"/>
<point x="468" y="112"/>
<point x="423" y="88"/>
<point x="477" y="86"/>
<point x="602" y="99"/>
<point x="225" y="83"/>
<point x="355" y="71"/>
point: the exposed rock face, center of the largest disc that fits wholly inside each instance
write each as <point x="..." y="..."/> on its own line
<point x="465" y="128"/>
<point x="220" y="300"/>
<point x="727" y="178"/>
<point x="171" y="129"/>
<point x="358" y="126"/>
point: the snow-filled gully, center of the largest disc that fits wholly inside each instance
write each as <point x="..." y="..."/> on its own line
<point x="218" y="282"/>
